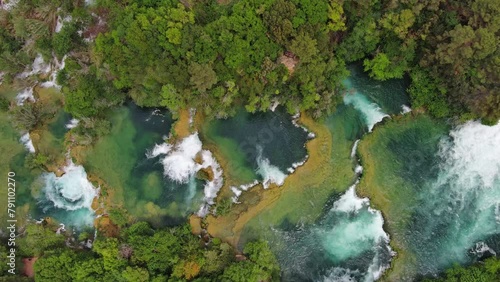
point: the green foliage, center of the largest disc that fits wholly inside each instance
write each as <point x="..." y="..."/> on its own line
<point x="223" y="206"/>
<point x="26" y="117"/>
<point x="144" y="254"/>
<point x="4" y="104"/>
<point x="37" y="239"/>
<point x="90" y="97"/>
<point x="487" y="271"/>
<point x="118" y="216"/>
<point x="55" y="266"/>
<point x="37" y="160"/>
<point x="426" y="92"/>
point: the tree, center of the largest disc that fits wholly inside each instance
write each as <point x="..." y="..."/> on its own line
<point x="135" y="274"/>
<point x="336" y="20"/>
<point x="203" y="77"/>
<point x="55" y="266"/>
<point x="278" y="19"/>
<point x="39" y="238"/>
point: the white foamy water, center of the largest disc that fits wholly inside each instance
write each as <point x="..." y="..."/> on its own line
<point x="372" y="113"/>
<point x="339" y="274"/>
<point x="72" y="123"/>
<point x="39" y="66"/>
<point x="213" y="186"/>
<point x="405" y="109"/>
<point x="27" y="142"/>
<point x="237" y="190"/>
<point x="473" y="155"/>
<point x="350" y="240"/>
<point x="25" y="95"/>
<point x="8" y="4"/>
<point x="354" y="149"/>
<point x="349" y="202"/>
<point x="61" y="21"/>
<point x="179" y="164"/>
<point x="70" y="192"/>
<point x="55" y="67"/>
<point x="461" y="204"/>
<point x="270" y="174"/>
<point x="358" y="229"/>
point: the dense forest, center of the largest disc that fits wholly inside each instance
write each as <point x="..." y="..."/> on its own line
<point x="140" y="254"/>
<point x="216" y="54"/>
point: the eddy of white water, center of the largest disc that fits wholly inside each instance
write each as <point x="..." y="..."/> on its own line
<point x="70" y="192"/>
<point x="461" y="206"/>
<point x="180" y="165"/>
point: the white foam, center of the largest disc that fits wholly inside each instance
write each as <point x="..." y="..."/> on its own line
<point x="349" y="201"/>
<point x="8" y="5"/>
<point x="213" y="186"/>
<point x="61" y="21"/>
<point x="353" y="235"/>
<point x="274" y="105"/>
<point x="38" y="67"/>
<point x="405" y="109"/>
<point x="480" y="248"/>
<point x="372" y="113"/>
<point x="354" y="148"/>
<point x="192" y="114"/>
<point x="55" y="67"/>
<point x="297" y="164"/>
<point x="473" y="154"/>
<point x="180" y="165"/>
<point x="358" y="170"/>
<point x="238" y="190"/>
<point x="25" y="95"/>
<point x="27" y="142"/>
<point x="159" y="149"/>
<point x="72" y="123"/>
<point x="270" y="174"/>
<point x="339" y="274"/>
<point x="465" y="194"/>
<point x="72" y="190"/>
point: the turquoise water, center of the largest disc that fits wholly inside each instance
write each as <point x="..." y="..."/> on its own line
<point x="263" y="146"/>
<point x="137" y="182"/>
<point x="457" y="217"/>
<point x="347" y="243"/>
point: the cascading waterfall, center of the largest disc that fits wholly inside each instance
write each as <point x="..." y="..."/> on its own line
<point x="372" y="113"/>
<point x="268" y="172"/>
<point x="27" y="142"/>
<point x="180" y="164"/>
<point x="72" y="193"/>
<point x="460" y="207"/>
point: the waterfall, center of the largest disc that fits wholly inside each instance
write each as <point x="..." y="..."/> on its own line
<point x="460" y="207"/>
<point x="71" y="193"/>
<point x="180" y="165"/>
